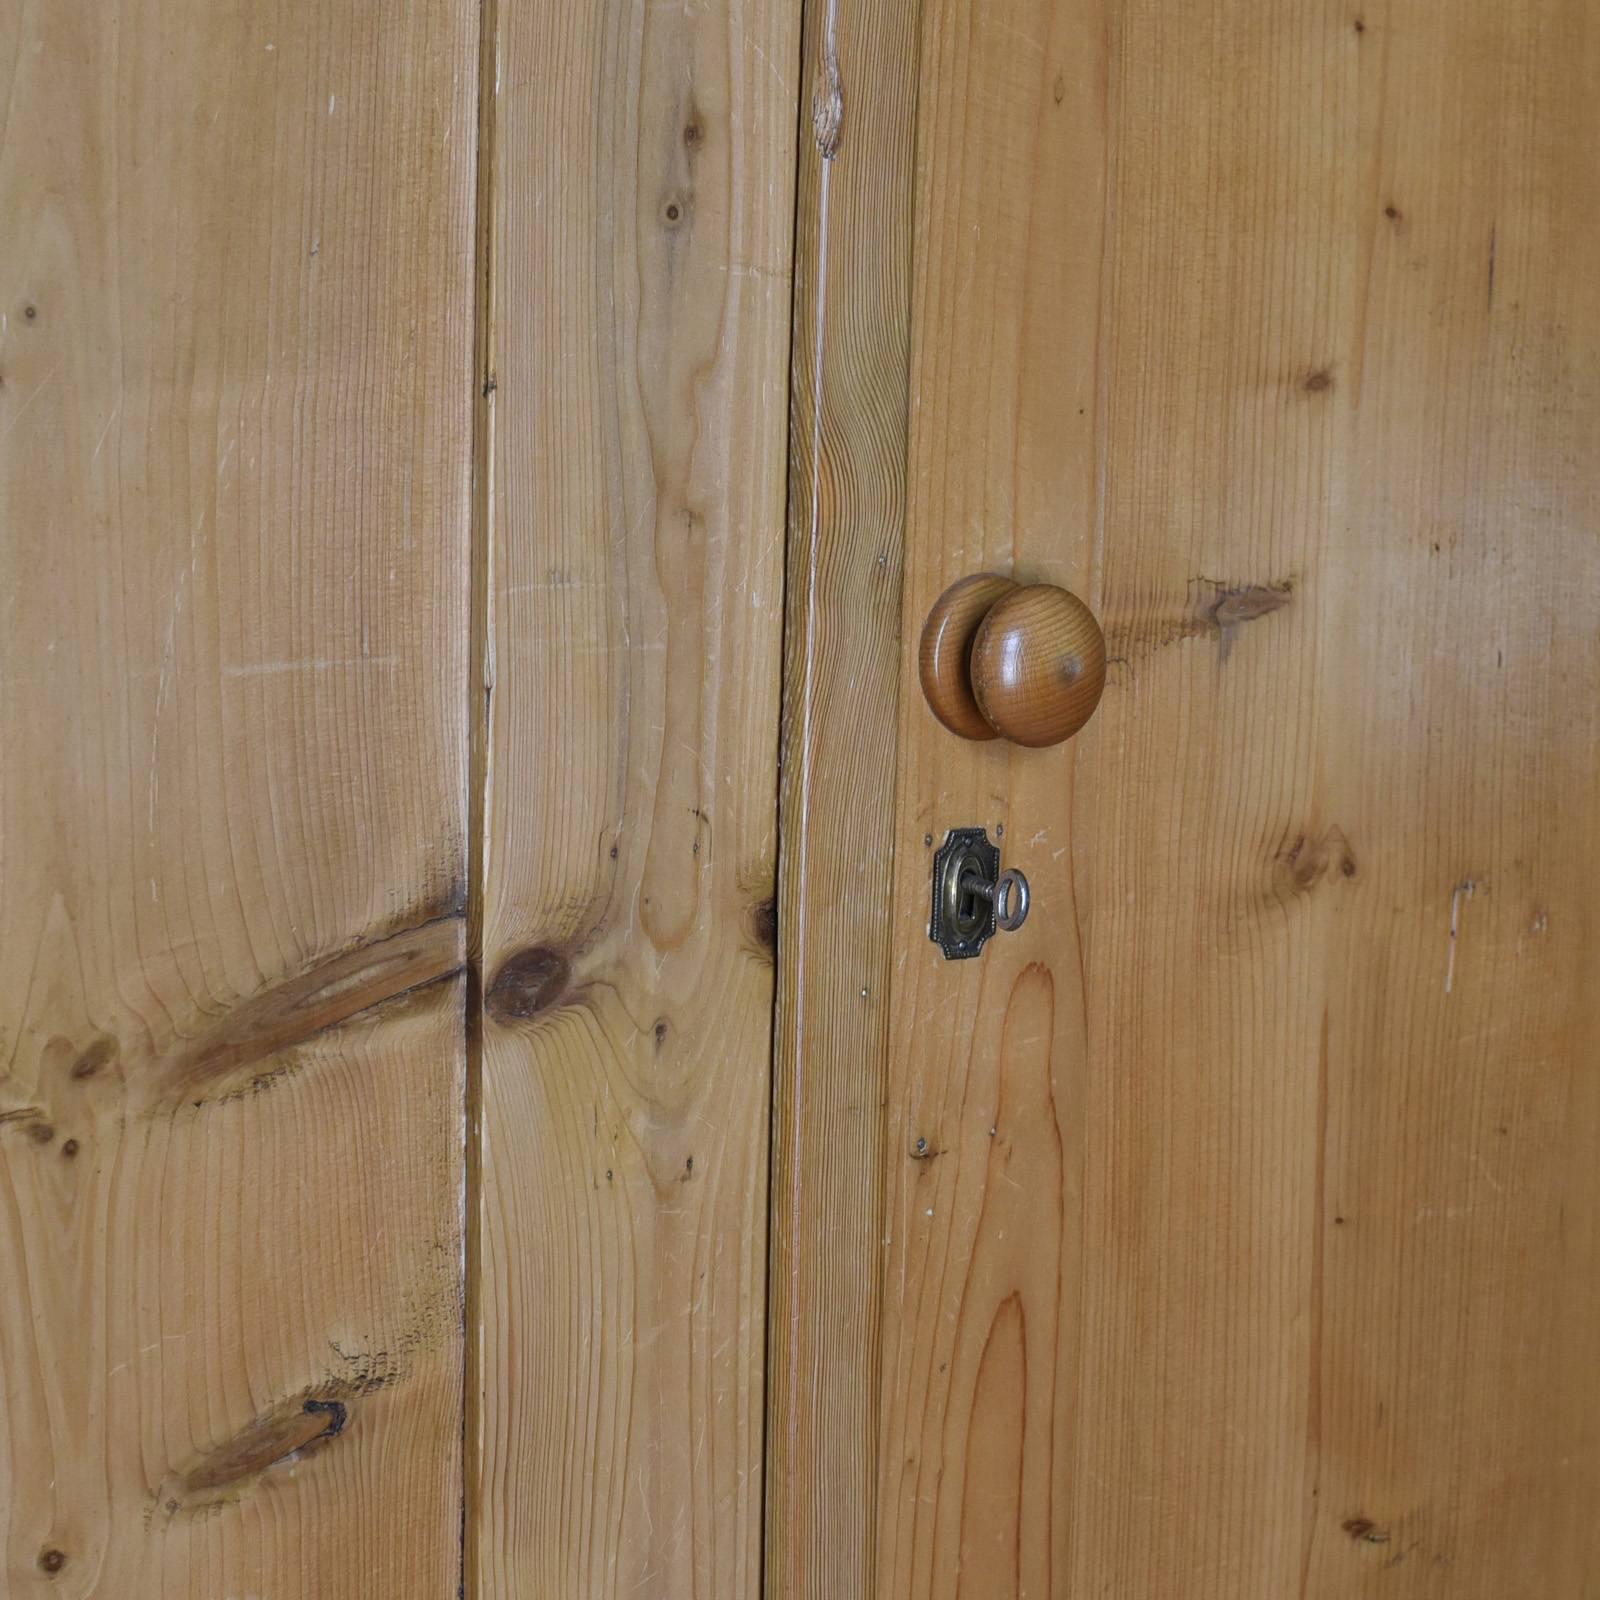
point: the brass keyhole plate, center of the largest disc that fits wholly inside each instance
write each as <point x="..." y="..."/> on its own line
<point x="963" y="919"/>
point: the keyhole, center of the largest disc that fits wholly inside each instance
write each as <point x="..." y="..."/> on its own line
<point x="974" y="893"/>
<point x="971" y="908"/>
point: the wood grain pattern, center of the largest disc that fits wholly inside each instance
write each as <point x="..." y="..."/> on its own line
<point x="234" y="395"/>
<point x="642" y="199"/>
<point x="1241" y="1207"/>
<point x="841" y="671"/>
<point x="987" y="1059"/>
<point x="1338" y="1188"/>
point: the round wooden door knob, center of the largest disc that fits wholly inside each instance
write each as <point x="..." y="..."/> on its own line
<point x="1025" y="662"/>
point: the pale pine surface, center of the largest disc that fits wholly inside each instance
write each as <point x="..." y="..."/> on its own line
<point x="234" y="400"/>
<point x="640" y="218"/>
<point x="836" y="820"/>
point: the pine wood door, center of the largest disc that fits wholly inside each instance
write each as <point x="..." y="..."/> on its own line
<point x="1229" y="1230"/>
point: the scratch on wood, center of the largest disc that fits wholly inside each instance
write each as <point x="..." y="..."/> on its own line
<point x="1462" y="891"/>
<point x="271" y="669"/>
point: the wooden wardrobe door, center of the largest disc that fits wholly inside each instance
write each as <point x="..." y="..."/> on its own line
<point x="1228" y="1230"/>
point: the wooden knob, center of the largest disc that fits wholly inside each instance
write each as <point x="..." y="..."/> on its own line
<point x="946" y="652"/>
<point x="1024" y="662"/>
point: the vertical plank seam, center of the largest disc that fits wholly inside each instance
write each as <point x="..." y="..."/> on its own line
<point x="479" y="692"/>
<point x="909" y="628"/>
<point x="830" y="28"/>
<point x="822" y="113"/>
<point x="775" y="1143"/>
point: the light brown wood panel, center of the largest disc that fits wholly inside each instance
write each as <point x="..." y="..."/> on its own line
<point x="235" y="382"/>
<point x="1337" y="1191"/>
<point x="642" y="195"/>
<point x="987" y="1061"/>
<point x="1241" y="1215"/>
<point x="1455" y="1313"/>
<point x="841" y="671"/>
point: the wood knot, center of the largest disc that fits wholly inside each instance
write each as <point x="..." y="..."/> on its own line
<point x="1365" y="1531"/>
<point x="1245" y="604"/>
<point x="1234" y="606"/>
<point x="763" y="919"/>
<point x="223" y="1062"/>
<point x="528" y="984"/>
<point x="289" y="1432"/>
<point x="337" y="1413"/>
<point x="52" y="1560"/>
<point x="827" y="106"/>
<point x="96" y="1058"/>
<point x="1311" y="857"/>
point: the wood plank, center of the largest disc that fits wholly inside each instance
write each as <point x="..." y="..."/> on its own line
<point x="642" y="195"/>
<point x="841" y="685"/>
<point x="1455" y="1403"/>
<point x="234" y="402"/>
<point x="1241" y="1206"/>
<point x="988" y="1058"/>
